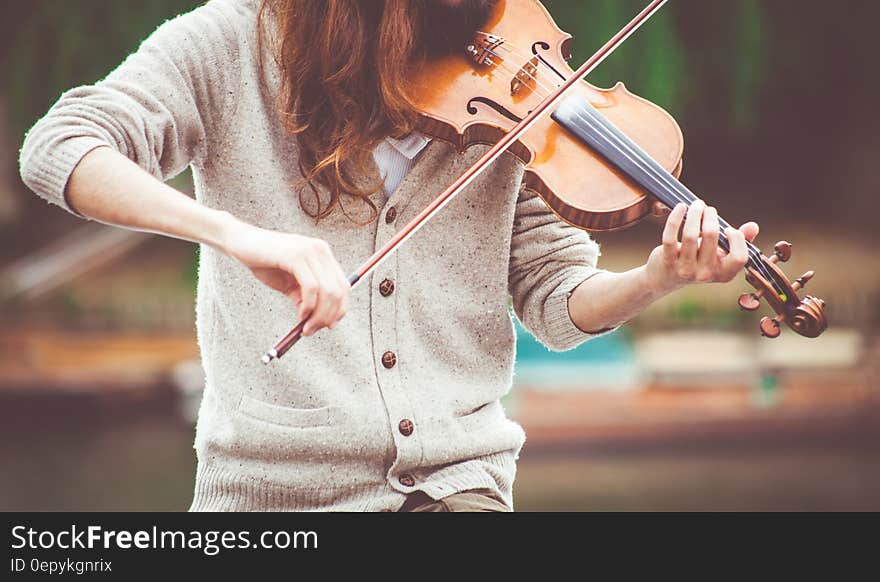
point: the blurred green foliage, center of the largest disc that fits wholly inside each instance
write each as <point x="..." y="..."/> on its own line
<point x="660" y="64"/>
<point x="698" y="313"/>
<point x="50" y="46"/>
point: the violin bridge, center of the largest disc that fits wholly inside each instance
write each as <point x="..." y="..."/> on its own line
<point x="526" y="77"/>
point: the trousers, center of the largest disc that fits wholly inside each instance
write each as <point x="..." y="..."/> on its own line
<point x="470" y="500"/>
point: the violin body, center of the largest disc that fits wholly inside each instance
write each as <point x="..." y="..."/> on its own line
<point x="465" y="102"/>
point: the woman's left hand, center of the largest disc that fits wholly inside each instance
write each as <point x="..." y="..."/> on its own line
<point x="697" y="258"/>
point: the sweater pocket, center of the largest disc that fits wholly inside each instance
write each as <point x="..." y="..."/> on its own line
<point x="484" y="416"/>
<point x="285" y="415"/>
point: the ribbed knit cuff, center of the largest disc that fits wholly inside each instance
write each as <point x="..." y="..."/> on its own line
<point x="48" y="176"/>
<point x="566" y="335"/>
<point x="218" y="489"/>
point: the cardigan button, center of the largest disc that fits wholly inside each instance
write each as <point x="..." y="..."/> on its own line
<point x="407" y="480"/>
<point x="390" y="215"/>
<point x="389" y="359"/>
<point x="406" y="427"/>
<point x="386" y="287"/>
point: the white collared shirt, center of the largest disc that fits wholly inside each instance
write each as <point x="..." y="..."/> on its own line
<point x="395" y="158"/>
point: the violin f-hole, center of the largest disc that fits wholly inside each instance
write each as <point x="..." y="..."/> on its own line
<point x="546" y="46"/>
<point x="472" y="109"/>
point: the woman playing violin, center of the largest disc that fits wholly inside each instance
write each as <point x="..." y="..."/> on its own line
<point x="306" y="157"/>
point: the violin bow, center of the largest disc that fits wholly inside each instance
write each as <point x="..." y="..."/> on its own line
<point x="283" y="345"/>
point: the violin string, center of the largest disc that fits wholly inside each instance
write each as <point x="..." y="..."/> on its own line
<point x="674" y="189"/>
<point x="512" y="49"/>
<point x="516" y="73"/>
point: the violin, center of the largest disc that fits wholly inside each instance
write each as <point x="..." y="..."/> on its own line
<point x="601" y="160"/>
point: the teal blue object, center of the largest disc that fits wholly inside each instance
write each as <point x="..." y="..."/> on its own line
<point x="604" y="361"/>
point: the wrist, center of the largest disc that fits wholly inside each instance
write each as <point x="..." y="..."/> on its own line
<point x="658" y="284"/>
<point x="226" y="230"/>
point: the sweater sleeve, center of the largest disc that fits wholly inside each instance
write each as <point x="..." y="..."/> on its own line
<point x="548" y="259"/>
<point x="159" y="107"/>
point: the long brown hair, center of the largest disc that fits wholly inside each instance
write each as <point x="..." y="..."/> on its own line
<point x="343" y="65"/>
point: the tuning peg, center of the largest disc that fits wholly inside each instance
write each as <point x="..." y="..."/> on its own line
<point x="801" y="282"/>
<point x="750" y="301"/>
<point x="770" y="327"/>
<point x="781" y="252"/>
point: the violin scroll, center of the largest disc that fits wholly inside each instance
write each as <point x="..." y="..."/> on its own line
<point x="805" y="316"/>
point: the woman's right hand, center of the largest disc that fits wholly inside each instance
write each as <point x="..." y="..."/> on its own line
<point x="300" y="267"/>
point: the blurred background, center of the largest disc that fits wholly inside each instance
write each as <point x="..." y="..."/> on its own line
<point x="686" y="408"/>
